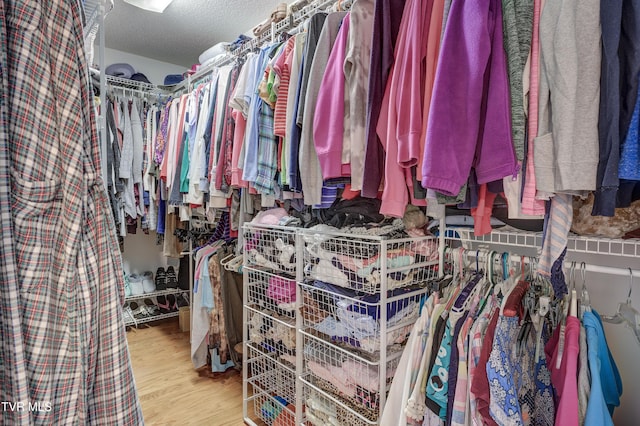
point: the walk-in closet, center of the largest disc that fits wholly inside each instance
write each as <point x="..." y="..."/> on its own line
<point x="320" y="212"/>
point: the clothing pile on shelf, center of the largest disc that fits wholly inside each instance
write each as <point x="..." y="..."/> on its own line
<point x="504" y="353"/>
<point x="362" y="287"/>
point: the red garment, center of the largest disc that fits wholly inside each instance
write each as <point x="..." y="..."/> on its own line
<point x="512" y="306"/>
<point x="480" y="382"/>
<point x="482" y="213"/>
<point x="282" y="67"/>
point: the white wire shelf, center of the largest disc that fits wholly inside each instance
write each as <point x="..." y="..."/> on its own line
<point x="129" y="322"/>
<point x="156" y="294"/>
<point x="130" y="84"/>
<point x="533" y="240"/>
<point x="92" y="10"/>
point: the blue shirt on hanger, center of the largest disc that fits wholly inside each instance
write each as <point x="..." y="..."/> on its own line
<point x="606" y="385"/>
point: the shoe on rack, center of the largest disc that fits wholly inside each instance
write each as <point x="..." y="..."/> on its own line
<point x="127" y="313"/>
<point x="172" y="278"/>
<point x="171" y="300"/>
<point x="148" y="285"/>
<point x="152" y="308"/>
<point x="135" y="310"/>
<point x="161" y="279"/>
<point x="135" y="281"/>
<point x="163" y="304"/>
<point x="182" y="301"/>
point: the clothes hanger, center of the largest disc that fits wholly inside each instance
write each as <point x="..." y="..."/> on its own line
<point x="573" y="311"/>
<point x="585" y="302"/>
<point x="626" y="314"/>
<point x="235" y="264"/>
<point x="570" y="308"/>
<point x="225" y="260"/>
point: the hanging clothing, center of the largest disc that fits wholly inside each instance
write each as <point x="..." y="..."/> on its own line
<point x="386" y="24"/>
<point x="63" y="336"/>
<point x="606" y="384"/>
<point x="562" y="360"/>
<point x="566" y="149"/>
<point x="478" y="135"/>
<point x="311" y="174"/>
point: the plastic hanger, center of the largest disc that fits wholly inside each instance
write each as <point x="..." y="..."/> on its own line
<point x="569" y="308"/>
<point x="585" y="301"/>
<point x="626" y="314"/>
<point x="224" y="261"/>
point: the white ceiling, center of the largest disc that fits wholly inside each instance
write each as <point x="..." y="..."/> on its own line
<point x="185" y="29"/>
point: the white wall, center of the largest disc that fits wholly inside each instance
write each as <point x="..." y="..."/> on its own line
<point x="142" y="254"/>
<point x="154" y="70"/>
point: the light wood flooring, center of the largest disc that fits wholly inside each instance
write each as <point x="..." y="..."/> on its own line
<point x="170" y="390"/>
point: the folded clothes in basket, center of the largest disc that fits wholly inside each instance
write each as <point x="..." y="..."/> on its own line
<point x="367" y="304"/>
<point x="281" y="290"/>
<point x="319" y="412"/>
<point x="332" y="271"/>
<point x="354" y="379"/>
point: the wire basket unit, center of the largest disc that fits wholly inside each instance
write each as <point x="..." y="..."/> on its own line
<point x="347" y="376"/>
<point x="369" y="263"/>
<point x="353" y="320"/>
<point x="272" y="388"/>
<point x="272" y="248"/>
<point x="272" y="292"/>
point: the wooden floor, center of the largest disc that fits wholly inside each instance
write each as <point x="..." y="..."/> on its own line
<point x="170" y="390"/>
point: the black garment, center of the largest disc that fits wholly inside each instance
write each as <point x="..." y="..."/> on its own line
<point x="183" y="272"/>
<point x="358" y="211"/>
<point x="386" y="25"/>
<point x="313" y="34"/>
<point x="620" y="22"/>
<point x="231" y="288"/>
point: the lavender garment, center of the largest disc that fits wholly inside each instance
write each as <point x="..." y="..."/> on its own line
<point x="469" y="122"/>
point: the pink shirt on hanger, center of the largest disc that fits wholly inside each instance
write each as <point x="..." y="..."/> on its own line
<point x="530" y="205"/>
<point x="565" y="378"/>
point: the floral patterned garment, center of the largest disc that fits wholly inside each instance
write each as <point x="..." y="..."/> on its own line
<point x="504" y="372"/>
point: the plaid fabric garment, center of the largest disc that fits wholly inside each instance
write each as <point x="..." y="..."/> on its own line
<point x="267" y="153"/>
<point x="63" y="337"/>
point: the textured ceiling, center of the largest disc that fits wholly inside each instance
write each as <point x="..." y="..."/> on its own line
<point x="185" y="29"/>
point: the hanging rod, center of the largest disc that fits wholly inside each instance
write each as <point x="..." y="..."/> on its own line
<point x="515" y="259"/>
